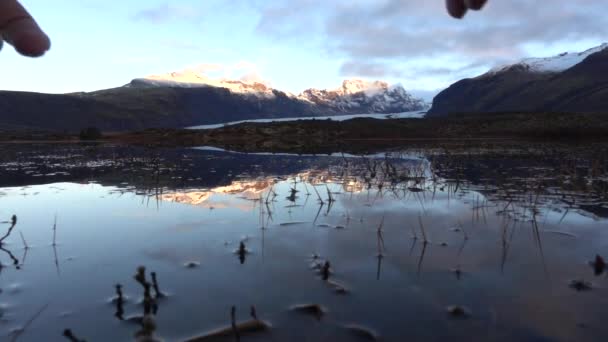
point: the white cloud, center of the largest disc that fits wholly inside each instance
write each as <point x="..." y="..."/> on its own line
<point x="166" y="12"/>
<point x="242" y="70"/>
<point x="383" y="37"/>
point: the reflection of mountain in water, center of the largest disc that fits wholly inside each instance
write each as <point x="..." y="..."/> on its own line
<point x="514" y="178"/>
<point x="249" y="189"/>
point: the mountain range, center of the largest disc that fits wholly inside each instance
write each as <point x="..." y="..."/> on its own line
<point x="569" y="82"/>
<point x="183" y="99"/>
<point x="566" y="83"/>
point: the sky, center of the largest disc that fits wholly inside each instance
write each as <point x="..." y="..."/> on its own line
<point x="296" y="44"/>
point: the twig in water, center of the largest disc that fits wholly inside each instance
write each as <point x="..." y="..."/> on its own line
<point x="56" y="259"/>
<point x="330" y="199"/>
<point x="67" y="333"/>
<point x="425" y="241"/>
<point x="24" y="242"/>
<point x="379" y="268"/>
<point x="55" y="231"/>
<point x="306" y="188"/>
<point x="140" y="277"/>
<point x="414" y="235"/>
<point x="10" y="229"/>
<point x="119" y="303"/>
<point x="157" y="292"/>
<point x="325" y="270"/>
<point x="19" y="332"/>
<point x="318" y="196"/>
<point x="380" y="239"/>
<point x="421" y="259"/>
<point x="15" y="260"/>
<point x="233" y="323"/>
<point x="321" y="204"/>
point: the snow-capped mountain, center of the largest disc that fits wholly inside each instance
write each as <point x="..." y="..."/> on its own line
<point x="352" y="97"/>
<point x="365" y="97"/>
<point x="558" y="63"/>
<point x="189" y="79"/>
<point x="569" y="82"/>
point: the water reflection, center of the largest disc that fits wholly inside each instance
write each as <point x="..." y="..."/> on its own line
<point x="510" y="242"/>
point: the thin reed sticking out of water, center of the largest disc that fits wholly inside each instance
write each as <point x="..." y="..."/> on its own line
<point x="55" y="231"/>
<point x="380" y="239"/>
<point x="422" y="230"/>
<point x="27" y="324"/>
<point x="23" y="239"/>
<point x="67" y="333"/>
<point x="318" y="195"/>
<point x="235" y="330"/>
<point x="10" y="229"/>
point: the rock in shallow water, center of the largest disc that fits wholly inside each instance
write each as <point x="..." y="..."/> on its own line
<point x="315" y="310"/>
<point x="192" y="264"/>
<point x="580" y="285"/>
<point x="363" y="332"/>
<point x="457" y="311"/>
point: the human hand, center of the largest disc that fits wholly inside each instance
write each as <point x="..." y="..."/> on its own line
<point x="18" y="28"/>
<point x="458" y="8"/>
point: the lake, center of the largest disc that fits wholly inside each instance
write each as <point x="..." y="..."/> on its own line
<point x="492" y="243"/>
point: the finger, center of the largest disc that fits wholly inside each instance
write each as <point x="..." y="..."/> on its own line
<point x="475" y="4"/>
<point x="456" y="8"/>
<point x="19" y="29"/>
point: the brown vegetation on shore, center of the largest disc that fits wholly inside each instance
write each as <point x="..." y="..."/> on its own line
<point x="318" y="136"/>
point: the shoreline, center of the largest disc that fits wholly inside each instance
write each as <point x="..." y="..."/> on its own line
<point x="360" y="134"/>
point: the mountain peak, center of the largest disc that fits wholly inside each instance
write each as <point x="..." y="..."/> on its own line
<point x="191" y="79"/>
<point x="558" y="63"/>
<point x="356" y="94"/>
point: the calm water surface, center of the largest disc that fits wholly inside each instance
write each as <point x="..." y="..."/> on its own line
<point x="507" y="232"/>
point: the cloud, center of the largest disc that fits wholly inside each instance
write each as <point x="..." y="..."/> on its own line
<point x="367" y="69"/>
<point x="243" y="70"/>
<point x="372" y="36"/>
<point x="165" y="12"/>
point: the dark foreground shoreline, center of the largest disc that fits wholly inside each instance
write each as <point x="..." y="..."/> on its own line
<point x="361" y="134"/>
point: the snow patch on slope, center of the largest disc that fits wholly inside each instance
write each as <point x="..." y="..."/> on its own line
<point x="557" y="63"/>
<point x="352" y="97"/>
<point x="376" y="96"/>
<point x="189" y="79"/>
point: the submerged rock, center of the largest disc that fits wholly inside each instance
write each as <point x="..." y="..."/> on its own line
<point x="339" y="288"/>
<point x="315" y="310"/>
<point x="192" y="264"/>
<point x="457" y="311"/>
<point x="599" y="265"/>
<point x="457" y="272"/>
<point x="581" y="285"/>
<point x="250" y="326"/>
<point x="363" y="332"/>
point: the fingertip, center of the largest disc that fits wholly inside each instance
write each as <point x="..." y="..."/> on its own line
<point x="31" y="43"/>
<point x="456" y="8"/>
<point x="475" y="4"/>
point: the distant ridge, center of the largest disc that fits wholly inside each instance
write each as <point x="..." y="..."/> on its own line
<point x="185" y="99"/>
<point x="569" y="82"/>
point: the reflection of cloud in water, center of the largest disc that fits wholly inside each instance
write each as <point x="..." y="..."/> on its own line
<point x="131" y="214"/>
<point x="164" y="254"/>
<point x="190" y="226"/>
